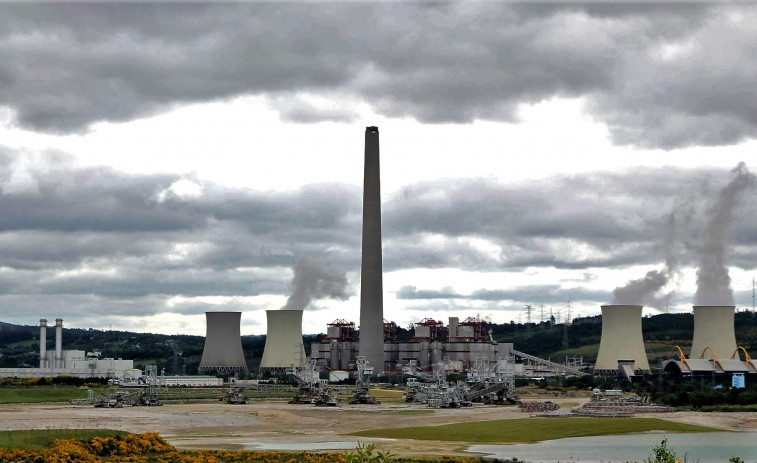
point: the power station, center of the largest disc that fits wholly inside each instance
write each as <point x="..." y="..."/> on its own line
<point x="458" y="346"/>
<point x="78" y="363"/>
<point x="461" y="344"/>
<point x="713" y="349"/>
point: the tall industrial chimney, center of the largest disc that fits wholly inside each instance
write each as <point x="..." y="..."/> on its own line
<point x="622" y="339"/>
<point x="42" y="341"/>
<point x="58" y="343"/>
<point x="371" y="287"/>
<point x="713" y="328"/>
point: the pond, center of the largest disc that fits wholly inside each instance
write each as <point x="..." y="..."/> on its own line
<point x="709" y="447"/>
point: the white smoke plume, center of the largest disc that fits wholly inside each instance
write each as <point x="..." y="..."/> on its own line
<point x="314" y="281"/>
<point x="713" y="281"/>
<point x="646" y="291"/>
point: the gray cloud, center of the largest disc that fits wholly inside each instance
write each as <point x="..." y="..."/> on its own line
<point x="99" y="242"/>
<point x="539" y="294"/>
<point x="659" y="75"/>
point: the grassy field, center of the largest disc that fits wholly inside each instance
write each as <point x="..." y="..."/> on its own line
<point x="529" y="430"/>
<point x="43" y="438"/>
<point x="387" y="395"/>
<point x="27" y="343"/>
<point x="32" y="394"/>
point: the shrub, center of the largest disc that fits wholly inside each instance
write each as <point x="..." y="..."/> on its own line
<point x="662" y="454"/>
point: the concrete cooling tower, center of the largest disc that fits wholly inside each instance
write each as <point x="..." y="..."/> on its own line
<point x="371" y="343"/>
<point x="621" y="340"/>
<point x="283" y="343"/>
<point x="223" y="343"/>
<point x="714" y="328"/>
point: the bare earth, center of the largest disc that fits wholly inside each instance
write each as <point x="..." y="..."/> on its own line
<point x="270" y="423"/>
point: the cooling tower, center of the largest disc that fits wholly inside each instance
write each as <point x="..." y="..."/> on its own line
<point x="714" y="328"/>
<point x="371" y="287"/>
<point x="223" y="343"/>
<point x="283" y="343"/>
<point x="621" y="338"/>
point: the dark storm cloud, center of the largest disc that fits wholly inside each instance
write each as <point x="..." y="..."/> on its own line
<point x="670" y="75"/>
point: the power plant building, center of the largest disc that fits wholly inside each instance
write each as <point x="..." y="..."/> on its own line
<point x="223" y="343"/>
<point x="621" y="348"/>
<point x="713" y="349"/>
<point x="77" y="363"/>
<point x="431" y="344"/>
<point x="283" y="344"/>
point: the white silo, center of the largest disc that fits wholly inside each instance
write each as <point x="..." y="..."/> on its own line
<point x="223" y="343"/>
<point x="283" y="343"/>
<point x="713" y="328"/>
<point x="621" y="339"/>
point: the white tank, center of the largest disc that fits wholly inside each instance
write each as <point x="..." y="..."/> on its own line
<point x="223" y="343"/>
<point x="283" y="343"/>
<point x="621" y="338"/>
<point x="714" y="328"/>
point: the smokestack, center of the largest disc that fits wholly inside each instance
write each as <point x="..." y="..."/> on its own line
<point x="58" y="343"/>
<point x="42" y="341"/>
<point x="621" y="338"/>
<point x="713" y="328"/>
<point x="371" y="287"/>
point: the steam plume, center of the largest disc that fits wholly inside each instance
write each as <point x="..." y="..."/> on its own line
<point x="314" y="281"/>
<point x="644" y="291"/>
<point x="713" y="281"/>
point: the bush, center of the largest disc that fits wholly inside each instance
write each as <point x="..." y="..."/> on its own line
<point x="662" y="454"/>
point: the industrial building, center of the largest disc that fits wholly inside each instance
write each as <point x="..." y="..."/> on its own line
<point x="460" y="342"/>
<point x="283" y="343"/>
<point x="714" y="351"/>
<point x="223" y="343"/>
<point x="459" y="345"/>
<point x="190" y="381"/>
<point x="75" y="363"/>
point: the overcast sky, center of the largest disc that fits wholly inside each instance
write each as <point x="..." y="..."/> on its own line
<point x="160" y="161"/>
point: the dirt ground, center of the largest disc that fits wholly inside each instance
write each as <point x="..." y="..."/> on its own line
<point x="278" y="425"/>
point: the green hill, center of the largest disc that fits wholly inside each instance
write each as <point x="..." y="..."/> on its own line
<point x="19" y="344"/>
